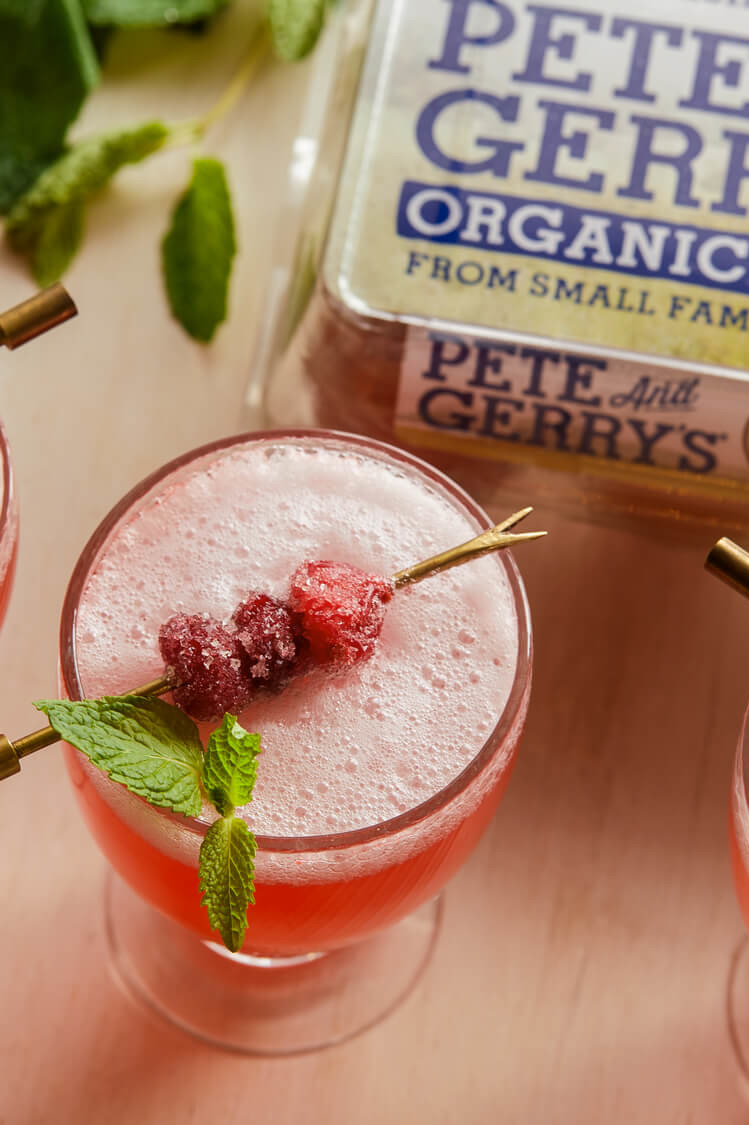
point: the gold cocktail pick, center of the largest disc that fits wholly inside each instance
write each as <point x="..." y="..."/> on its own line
<point x="495" y="539"/>
<point x="38" y="314"/>
<point x="12" y="752"/>
<point x="730" y="563"/>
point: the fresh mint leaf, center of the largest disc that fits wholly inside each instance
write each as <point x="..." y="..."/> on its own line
<point x="198" y="250"/>
<point x="42" y="223"/>
<point x="295" y="26"/>
<point x="49" y="67"/>
<point x="148" y="745"/>
<point x="57" y="244"/>
<point x="26" y="10"/>
<point x="230" y="765"/>
<point x="226" y="869"/>
<point x="154" y="749"/>
<point x="17" y="174"/>
<point x="149" y="13"/>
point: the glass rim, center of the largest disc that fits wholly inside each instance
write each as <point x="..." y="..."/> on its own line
<point x="741" y="761"/>
<point x="496" y="737"/>
<point x="8" y="485"/>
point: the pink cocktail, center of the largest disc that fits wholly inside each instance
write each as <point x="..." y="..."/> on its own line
<point x="739" y="827"/>
<point x="738" y="984"/>
<point x="8" y="525"/>
<point x="374" y="785"/>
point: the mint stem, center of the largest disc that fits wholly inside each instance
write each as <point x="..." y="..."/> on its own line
<point x="188" y="132"/>
<point x="258" y="52"/>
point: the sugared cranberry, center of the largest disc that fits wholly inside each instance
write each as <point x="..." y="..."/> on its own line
<point x="265" y="631"/>
<point x="205" y="657"/>
<point x="340" y="609"/>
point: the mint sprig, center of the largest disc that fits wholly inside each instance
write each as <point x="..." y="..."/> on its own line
<point x="46" y="224"/>
<point x="230" y="765"/>
<point x="226" y="878"/>
<point x="144" y="743"/>
<point x="47" y="182"/>
<point x="295" y="26"/>
<point x="49" y="67"/>
<point x="198" y="250"/>
<point x="227" y="854"/>
<point x="154" y="749"/>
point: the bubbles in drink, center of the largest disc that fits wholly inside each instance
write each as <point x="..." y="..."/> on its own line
<point x="286" y="506"/>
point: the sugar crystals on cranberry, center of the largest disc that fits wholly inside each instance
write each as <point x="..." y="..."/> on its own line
<point x="205" y="658"/>
<point x="331" y="620"/>
<point x="266" y="635"/>
<point x="341" y="609"/>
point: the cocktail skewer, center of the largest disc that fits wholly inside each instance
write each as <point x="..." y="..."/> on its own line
<point x="12" y="752"/>
<point x="730" y="562"/>
<point x="42" y="311"/>
<point x="495" y="539"/>
<point x="492" y="540"/>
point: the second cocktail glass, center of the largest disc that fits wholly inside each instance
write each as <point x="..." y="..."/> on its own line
<point x="19" y="325"/>
<point x="737" y="999"/>
<point x="8" y="525"/>
<point x="408" y="756"/>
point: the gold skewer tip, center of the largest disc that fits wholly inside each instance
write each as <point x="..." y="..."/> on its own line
<point x="36" y="315"/>
<point x="495" y="539"/>
<point x="12" y="752"/>
<point x="729" y="562"/>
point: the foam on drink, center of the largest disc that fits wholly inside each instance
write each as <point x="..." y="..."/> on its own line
<point x="339" y="752"/>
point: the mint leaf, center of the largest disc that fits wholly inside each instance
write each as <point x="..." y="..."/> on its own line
<point x="57" y="244"/>
<point x="37" y="228"/>
<point x="149" y="13"/>
<point x="295" y="26"/>
<point x="230" y="765"/>
<point x="17" y="174"/>
<point x="198" y="250"/>
<point x="154" y="749"/>
<point x="144" y="743"/>
<point x="48" y="68"/>
<point x="26" y="10"/>
<point x="226" y="870"/>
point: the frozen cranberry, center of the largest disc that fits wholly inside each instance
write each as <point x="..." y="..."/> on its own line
<point x="205" y="658"/>
<point x="341" y="610"/>
<point x="265" y="631"/>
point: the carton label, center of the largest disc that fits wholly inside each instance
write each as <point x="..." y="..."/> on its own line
<point x="576" y="171"/>
<point x="485" y="396"/>
<point x="600" y="240"/>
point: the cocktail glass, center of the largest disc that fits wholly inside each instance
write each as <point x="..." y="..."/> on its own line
<point x="343" y="924"/>
<point x="8" y="524"/>
<point x="737" y="998"/>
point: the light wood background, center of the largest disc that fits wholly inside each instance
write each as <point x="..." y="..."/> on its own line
<point x="580" y="975"/>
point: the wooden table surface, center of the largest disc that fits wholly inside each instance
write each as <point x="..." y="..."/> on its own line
<point x="580" y="973"/>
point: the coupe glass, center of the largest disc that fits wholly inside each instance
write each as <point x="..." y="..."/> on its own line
<point x="738" y="982"/>
<point x="326" y="954"/>
<point x="8" y="524"/>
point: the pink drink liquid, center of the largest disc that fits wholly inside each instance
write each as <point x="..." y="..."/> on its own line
<point x="373" y="785"/>
<point x="8" y="526"/>
<point x="739" y="830"/>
